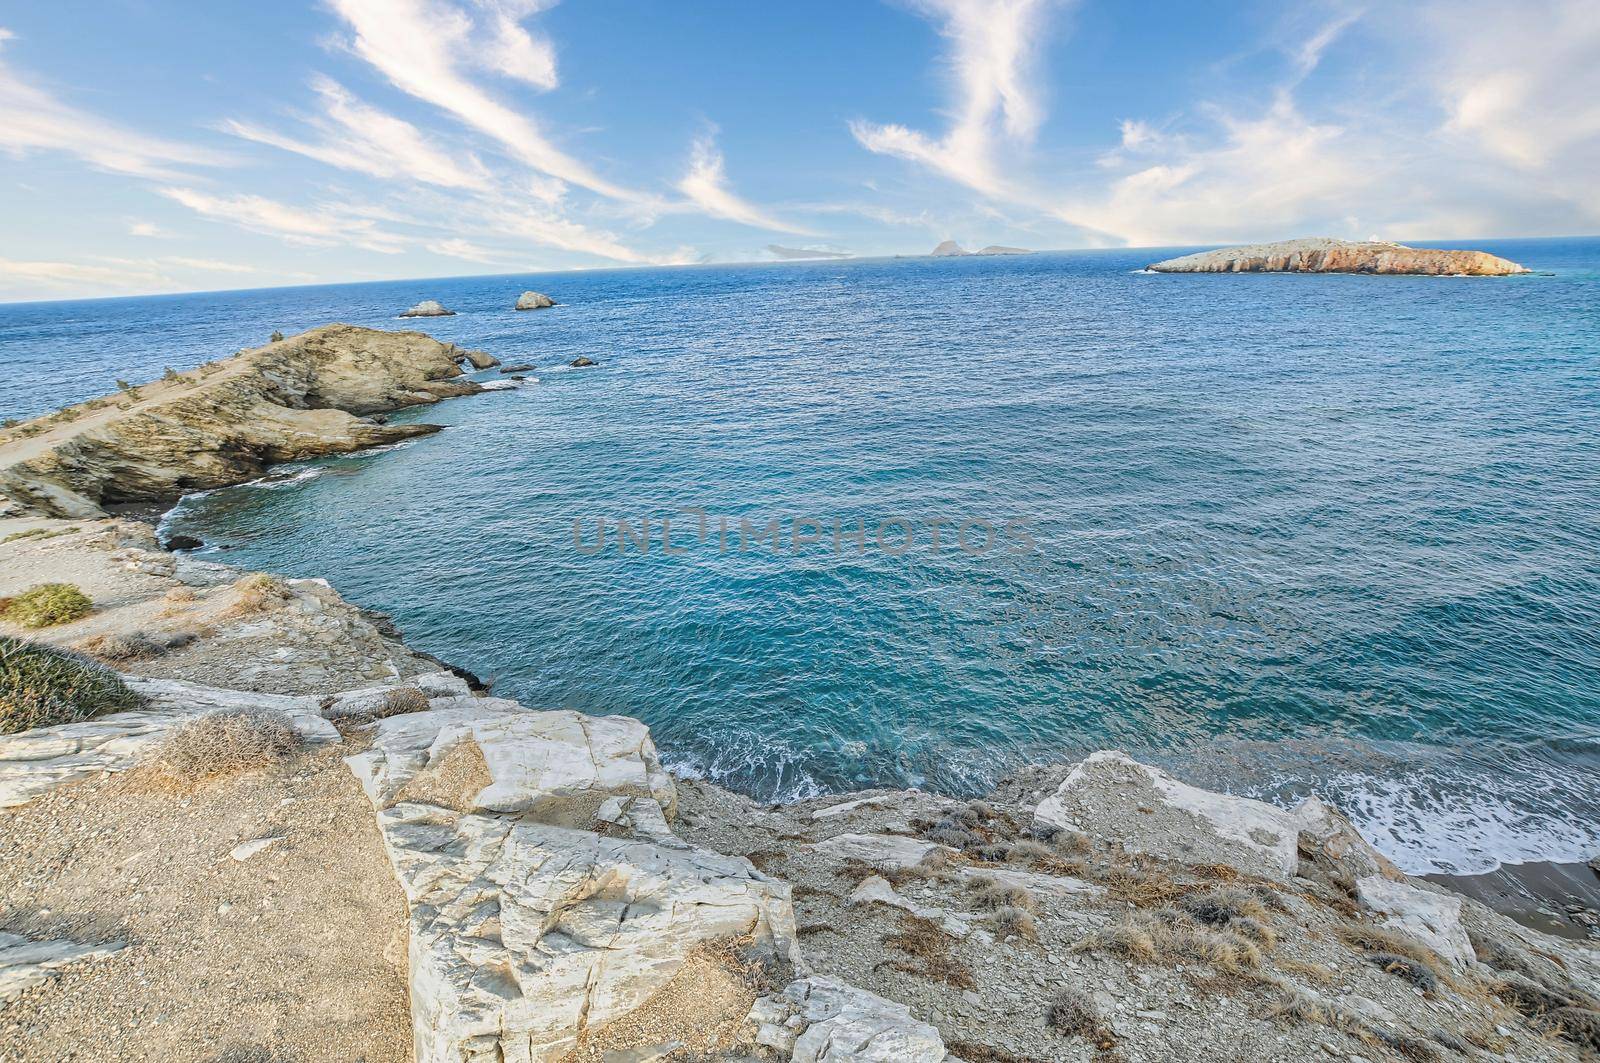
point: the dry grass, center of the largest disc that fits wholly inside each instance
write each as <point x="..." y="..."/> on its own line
<point x="1172" y="938"/>
<point x="1311" y="972"/>
<point x="226" y="743"/>
<point x="995" y="895"/>
<point x="926" y="942"/>
<point x="858" y="871"/>
<point x="176" y="601"/>
<point x="1397" y="953"/>
<point x="257" y="593"/>
<point x="1072" y="1014"/>
<point x="1418" y="974"/>
<point x="973" y="1052"/>
<point x="1011" y="921"/>
<point x="134" y="646"/>
<point x="1140" y="887"/>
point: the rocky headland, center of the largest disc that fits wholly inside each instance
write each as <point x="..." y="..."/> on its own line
<point x="435" y="873"/>
<point x="951" y="249"/>
<point x="1327" y="255"/>
<point x="319" y="393"/>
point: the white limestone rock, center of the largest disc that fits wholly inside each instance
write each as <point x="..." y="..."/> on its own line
<point x="25" y="963"/>
<point x="35" y="762"/>
<point x="428" y="308"/>
<point x="838" y="1023"/>
<point x="1327" y="836"/>
<point x="524" y="935"/>
<point x="555" y="766"/>
<point x="1433" y="918"/>
<point x="1110" y="795"/>
<point x="534" y="301"/>
<point x="366" y="700"/>
<point x="892" y="851"/>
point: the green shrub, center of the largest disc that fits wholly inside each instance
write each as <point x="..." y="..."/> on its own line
<point x="41" y="685"/>
<point x="48" y="604"/>
<point x="277" y="337"/>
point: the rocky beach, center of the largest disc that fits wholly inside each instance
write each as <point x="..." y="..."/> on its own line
<point x="424" y="870"/>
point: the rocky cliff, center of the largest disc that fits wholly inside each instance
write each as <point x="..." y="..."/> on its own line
<point x="306" y="396"/>
<point x="1325" y="255"/>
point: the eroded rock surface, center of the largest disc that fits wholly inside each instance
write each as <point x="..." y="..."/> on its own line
<point x="1327" y="255"/>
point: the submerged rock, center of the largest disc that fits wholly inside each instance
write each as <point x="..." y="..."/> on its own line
<point x="1327" y="255"/>
<point x="523" y="367"/>
<point x="534" y="301"/>
<point x="428" y="308"/>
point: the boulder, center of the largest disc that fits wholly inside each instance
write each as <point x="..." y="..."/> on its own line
<point x="557" y="767"/>
<point x="480" y="359"/>
<point x="534" y="301"/>
<point x="581" y="361"/>
<point x="891" y="851"/>
<point x="1432" y="917"/>
<point x="182" y="542"/>
<point x="528" y="926"/>
<point x="25" y="963"/>
<point x="1111" y="796"/>
<point x="823" y="1020"/>
<point x="1331" y="841"/>
<point x="520" y="368"/>
<point x="428" y="308"/>
<point x="34" y="762"/>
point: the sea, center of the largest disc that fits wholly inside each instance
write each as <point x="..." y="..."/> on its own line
<point x="916" y="522"/>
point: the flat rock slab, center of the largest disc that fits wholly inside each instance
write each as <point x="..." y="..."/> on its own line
<point x="1112" y="796"/>
<point x="32" y="763"/>
<point x="25" y="963"/>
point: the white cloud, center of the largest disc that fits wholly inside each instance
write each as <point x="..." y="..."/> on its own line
<point x="512" y="50"/>
<point x="359" y="137"/>
<point x="147" y="229"/>
<point x="297" y="225"/>
<point x="31" y="119"/>
<point x="993" y="44"/>
<point x="23" y="277"/>
<point x="706" y="185"/>
<point x="455" y="247"/>
<point x="420" y="46"/>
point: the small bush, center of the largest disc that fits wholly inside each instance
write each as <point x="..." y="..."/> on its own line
<point x="227" y="743"/>
<point x="33" y="533"/>
<point x="48" y="604"/>
<point x="1012" y="921"/>
<point x="1418" y="974"/>
<point x="134" y="646"/>
<point x="1072" y="1014"/>
<point x="992" y="894"/>
<point x="277" y="337"/>
<point x="1581" y="1026"/>
<point x="257" y="593"/>
<point x="41" y="686"/>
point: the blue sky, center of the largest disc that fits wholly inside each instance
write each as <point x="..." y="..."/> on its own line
<point x="157" y="145"/>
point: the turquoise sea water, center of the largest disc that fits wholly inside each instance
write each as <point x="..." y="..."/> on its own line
<point x="1286" y="534"/>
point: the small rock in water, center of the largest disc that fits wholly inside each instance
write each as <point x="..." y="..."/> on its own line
<point x="506" y="370"/>
<point x="182" y="542"/>
<point x="534" y="301"/>
<point x="580" y="361"/>
<point x="429" y="308"/>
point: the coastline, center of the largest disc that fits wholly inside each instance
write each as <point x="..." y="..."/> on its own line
<point x="638" y="913"/>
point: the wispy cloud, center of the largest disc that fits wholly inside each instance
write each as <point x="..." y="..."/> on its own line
<point x="706" y="185"/>
<point x="32" y="119"/>
<point x="512" y="50"/>
<point x="297" y="225"/>
<point x="421" y="47"/>
<point x="358" y="137"/>
<point x="992" y="47"/>
<point x="24" y="276"/>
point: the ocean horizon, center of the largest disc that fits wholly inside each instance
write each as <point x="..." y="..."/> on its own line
<point x="1283" y="534"/>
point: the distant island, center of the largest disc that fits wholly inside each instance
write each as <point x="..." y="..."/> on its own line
<point x="1327" y="255"/>
<point x="805" y="252"/>
<point x="951" y="249"/>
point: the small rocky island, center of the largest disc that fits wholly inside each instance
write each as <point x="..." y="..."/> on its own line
<point x="951" y="249"/>
<point x="1327" y="255"/>
<point x="534" y="301"/>
<point x="429" y="308"/>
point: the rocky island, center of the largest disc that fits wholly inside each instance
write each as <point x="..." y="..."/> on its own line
<point x="1327" y="255"/>
<point x="951" y="249"/>
<point x="291" y="836"/>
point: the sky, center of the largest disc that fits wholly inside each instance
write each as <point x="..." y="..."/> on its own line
<point x="159" y="145"/>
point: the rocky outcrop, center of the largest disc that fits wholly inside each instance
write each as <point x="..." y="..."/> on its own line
<point x="1429" y="915"/>
<point x="823" y="1020"/>
<point x="35" y="762"/>
<point x="546" y="901"/>
<point x="428" y="308"/>
<point x="308" y="396"/>
<point x="1002" y="249"/>
<point x="947" y="249"/>
<point x="1326" y="255"/>
<point x="534" y="301"/>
